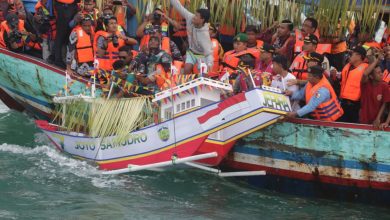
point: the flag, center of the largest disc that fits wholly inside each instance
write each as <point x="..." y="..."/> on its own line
<point x="217" y="115"/>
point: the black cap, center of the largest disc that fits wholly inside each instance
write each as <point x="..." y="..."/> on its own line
<point x="311" y="38"/>
<point x="360" y="50"/>
<point x="314" y="56"/>
<point x="316" y="71"/>
<point x="267" y="48"/>
<point x="12" y="19"/>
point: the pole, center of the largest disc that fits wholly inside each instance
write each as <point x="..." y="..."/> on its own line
<point x="162" y="164"/>
<point x="250" y="75"/>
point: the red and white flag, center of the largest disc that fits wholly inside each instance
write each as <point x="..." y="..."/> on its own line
<point x="227" y="107"/>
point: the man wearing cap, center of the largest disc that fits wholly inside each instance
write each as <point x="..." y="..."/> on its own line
<point x="312" y="59"/>
<point x="319" y="95"/>
<point x="13" y="35"/>
<point x="80" y="55"/>
<point x="166" y="44"/>
<point x="299" y="65"/>
<point x="200" y="47"/>
<point x="152" y="68"/>
<point x="264" y="70"/>
<point x="240" y="52"/>
<point x="351" y="77"/>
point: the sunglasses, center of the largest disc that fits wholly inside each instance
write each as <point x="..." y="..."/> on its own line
<point x="122" y="57"/>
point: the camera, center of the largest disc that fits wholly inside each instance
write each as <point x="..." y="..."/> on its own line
<point x="15" y="36"/>
<point x="117" y="2"/>
<point x="115" y="40"/>
<point x="156" y="16"/>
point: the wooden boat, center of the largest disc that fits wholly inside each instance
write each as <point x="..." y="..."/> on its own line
<point x="29" y="84"/>
<point x="321" y="159"/>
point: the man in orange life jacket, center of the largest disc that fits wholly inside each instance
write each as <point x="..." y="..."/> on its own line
<point x="147" y="27"/>
<point x="252" y="32"/>
<point x="167" y="45"/>
<point x="107" y="44"/>
<point x="46" y="23"/>
<point x="299" y="65"/>
<point x="123" y="11"/>
<point x="309" y="26"/>
<point x="80" y="56"/>
<point x="321" y="100"/>
<point x="351" y="77"/>
<point x="65" y="9"/>
<point x="13" y="35"/>
<point x="153" y="67"/>
<point x="232" y="58"/>
<point x="86" y="8"/>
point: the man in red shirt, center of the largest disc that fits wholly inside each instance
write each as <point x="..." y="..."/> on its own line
<point x="375" y="94"/>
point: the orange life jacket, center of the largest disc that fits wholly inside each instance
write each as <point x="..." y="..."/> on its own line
<point x="215" y="69"/>
<point x="65" y="1"/>
<point x="53" y="29"/>
<point x="321" y="48"/>
<point x="111" y="54"/>
<point x="339" y="47"/>
<point x="5" y="28"/>
<point x="146" y="37"/>
<point x="326" y="111"/>
<point x="299" y="66"/>
<point x="232" y="58"/>
<point x="350" y="82"/>
<point x="34" y="45"/>
<point x="84" y="46"/>
<point x="386" y="76"/>
<point x="163" y="79"/>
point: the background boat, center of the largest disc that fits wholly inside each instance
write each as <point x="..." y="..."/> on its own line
<point x="319" y="159"/>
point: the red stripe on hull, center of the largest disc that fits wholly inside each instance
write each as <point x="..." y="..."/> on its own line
<point x="10" y="102"/>
<point x="183" y="150"/>
<point x="310" y="177"/>
<point x="222" y="151"/>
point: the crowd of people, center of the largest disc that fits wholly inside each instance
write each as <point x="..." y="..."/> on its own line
<point x="332" y="79"/>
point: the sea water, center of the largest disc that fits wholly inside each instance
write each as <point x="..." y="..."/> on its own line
<point x="38" y="182"/>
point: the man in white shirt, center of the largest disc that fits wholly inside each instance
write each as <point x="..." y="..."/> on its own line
<point x="279" y="80"/>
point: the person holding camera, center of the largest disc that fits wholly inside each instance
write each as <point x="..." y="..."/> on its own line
<point x="46" y="25"/>
<point x="148" y="26"/>
<point x="123" y="11"/>
<point x="86" y="8"/>
<point x="80" y="56"/>
<point x="13" y="35"/>
<point x="107" y="43"/>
